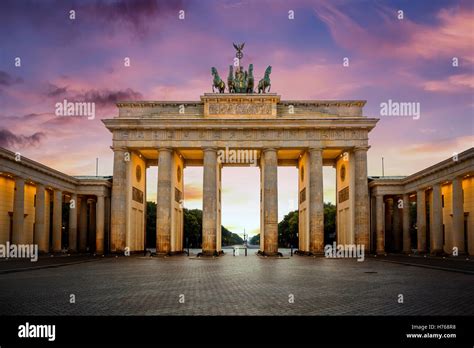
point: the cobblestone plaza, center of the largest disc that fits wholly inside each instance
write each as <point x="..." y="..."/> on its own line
<point x="252" y="285"/>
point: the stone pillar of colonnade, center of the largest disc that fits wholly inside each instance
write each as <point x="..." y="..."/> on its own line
<point x="396" y="226"/>
<point x="436" y="221"/>
<point x="91" y="235"/>
<point x="421" y="220"/>
<point x="169" y="207"/>
<point x="41" y="237"/>
<point x="83" y="224"/>
<point x="163" y="202"/>
<point x="303" y="204"/>
<point x="458" y="215"/>
<point x="177" y="203"/>
<point x="119" y="200"/>
<point x="388" y="226"/>
<point x="72" y="235"/>
<point x="406" y="224"/>
<point x="269" y="178"/>
<point x="57" y="220"/>
<point x="316" y="202"/>
<point x="219" y="209"/>
<point x="99" y="230"/>
<point x="361" y="204"/>
<point x="209" y="202"/>
<point x="18" y="236"/>
<point x="380" y="231"/>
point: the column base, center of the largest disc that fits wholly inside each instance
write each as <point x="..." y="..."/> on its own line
<point x="266" y="254"/>
<point x="380" y="253"/>
<point x="210" y="253"/>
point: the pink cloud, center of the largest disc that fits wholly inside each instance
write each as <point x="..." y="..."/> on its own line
<point x="451" y="37"/>
<point x="454" y="83"/>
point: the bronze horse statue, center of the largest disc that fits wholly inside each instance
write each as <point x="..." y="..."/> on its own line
<point x="265" y="82"/>
<point x="230" y="80"/>
<point x="217" y="81"/>
<point x="250" y="80"/>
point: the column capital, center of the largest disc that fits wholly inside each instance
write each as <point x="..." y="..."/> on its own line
<point x="167" y="149"/>
<point x="209" y="149"/>
<point x="315" y="148"/>
<point x="119" y="148"/>
<point x="455" y="178"/>
<point x="361" y="148"/>
<point x="273" y="149"/>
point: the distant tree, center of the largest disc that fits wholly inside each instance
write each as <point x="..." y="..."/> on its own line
<point x="329" y="223"/>
<point x="150" y="224"/>
<point x="229" y="238"/>
<point x="255" y="240"/>
<point x="192" y="227"/>
<point x="288" y="230"/>
<point x="288" y="227"/>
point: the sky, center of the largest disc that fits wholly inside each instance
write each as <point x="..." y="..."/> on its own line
<point x="424" y="54"/>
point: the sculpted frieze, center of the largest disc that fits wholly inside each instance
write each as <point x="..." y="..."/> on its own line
<point x="242" y="134"/>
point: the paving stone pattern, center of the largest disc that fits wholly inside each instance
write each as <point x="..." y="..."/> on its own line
<point x="236" y="285"/>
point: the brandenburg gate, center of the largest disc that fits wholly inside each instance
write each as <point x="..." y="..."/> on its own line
<point x="306" y="134"/>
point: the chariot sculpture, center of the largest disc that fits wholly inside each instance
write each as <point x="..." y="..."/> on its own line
<point x="240" y="80"/>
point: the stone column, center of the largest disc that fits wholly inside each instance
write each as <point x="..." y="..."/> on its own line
<point x="57" y="220"/>
<point x="421" y="220"/>
<point x="99" y="231"/>
<point x="270" y="201"/>
<point x="396" y="224"/>
<point x="406" y="224"/>
<point x="458" y="215"/>
<point x="83" y="225"/>
<point x="91" y="235"/>
<point x="361" y="196"/>
<point x="119" y="201"/>
<point x="380" y="224"/>
<point x="316" y="202"/>
<point x="388" y="226"/>
<point x="209" y="202"/>
<point x="18" y="236"/>
<point x="436" y="223"/>
<point x="41" y="237"/>
<point x="163" y="202"/>
<point x="73" y="206"/>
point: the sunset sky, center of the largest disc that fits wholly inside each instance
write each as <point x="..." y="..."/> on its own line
<point x="407" y="60"/>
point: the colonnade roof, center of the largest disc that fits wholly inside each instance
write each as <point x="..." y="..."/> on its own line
<point x="458" y="165"/>
<point x="36" y="173"/>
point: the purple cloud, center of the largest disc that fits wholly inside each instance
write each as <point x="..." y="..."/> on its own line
<point x="8" y="139"/>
